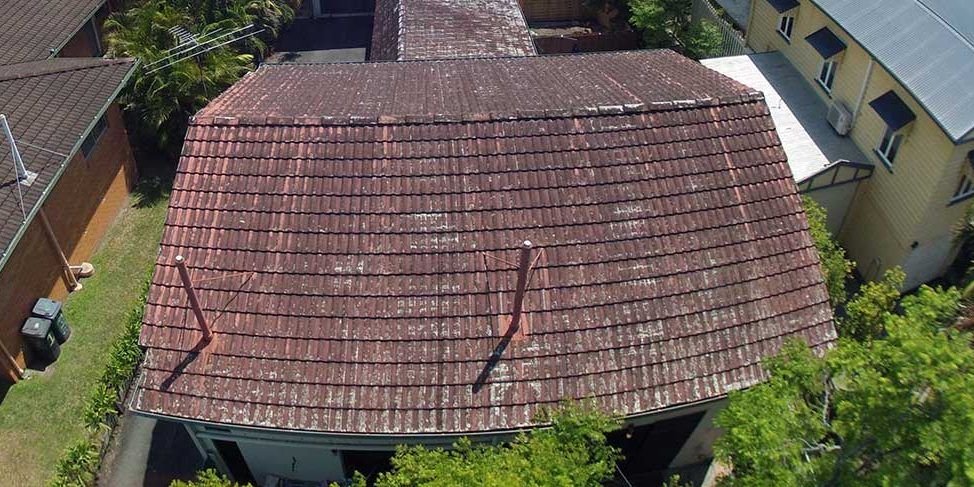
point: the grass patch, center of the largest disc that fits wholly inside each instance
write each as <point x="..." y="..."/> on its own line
<point x="42" y="416"/>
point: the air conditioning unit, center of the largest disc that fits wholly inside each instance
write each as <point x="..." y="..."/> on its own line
<point x="840" y="118"/>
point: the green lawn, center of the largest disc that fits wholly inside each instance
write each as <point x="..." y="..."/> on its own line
<point x="40" y="416"/>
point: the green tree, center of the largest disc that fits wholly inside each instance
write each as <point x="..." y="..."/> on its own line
<point x="669" y="24"/>
<point x="162" y="101"/>
<point x="703" y="40"/>
<point x="571" y="452"/>
<point x="835" y="267"/>
<point x="897" y="410"/>
<point x="866" y="312"/>
<point x="206" y="478"/>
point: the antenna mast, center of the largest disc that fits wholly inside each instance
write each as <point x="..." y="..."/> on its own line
<point x="23" y="175"/>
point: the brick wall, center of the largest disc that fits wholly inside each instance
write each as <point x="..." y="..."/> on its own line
<point x="82" y="44"/>
<point x="81" y="207"/>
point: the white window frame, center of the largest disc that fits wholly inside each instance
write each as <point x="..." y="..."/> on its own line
<point x="965" y="188"/>
<point x="827" y="71"/>
<point x="787" y="21"/>
<point x="890" y="145"/>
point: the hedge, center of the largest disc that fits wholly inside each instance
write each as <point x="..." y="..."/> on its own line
<point x="78" y="465"/>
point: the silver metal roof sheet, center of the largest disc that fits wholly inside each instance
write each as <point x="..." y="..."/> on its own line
<point x="928" y="45"/>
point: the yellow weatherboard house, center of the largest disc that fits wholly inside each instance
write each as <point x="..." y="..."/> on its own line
<point x="897" y="78"/>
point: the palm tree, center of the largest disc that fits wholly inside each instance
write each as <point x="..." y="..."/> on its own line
<point x="163" y="100"/>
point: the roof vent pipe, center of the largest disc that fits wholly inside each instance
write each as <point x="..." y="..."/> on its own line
<point x="193" y="301"/>
<point x="523" y="266"/>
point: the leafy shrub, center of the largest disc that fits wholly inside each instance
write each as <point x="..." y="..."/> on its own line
<point x="835" y="267"/>
<point x="867" y="311"/>
<point x="79" y="464"/>
<point x="206" y="478"/>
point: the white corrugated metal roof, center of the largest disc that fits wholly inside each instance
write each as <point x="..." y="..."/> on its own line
<point x="928" y="45"/>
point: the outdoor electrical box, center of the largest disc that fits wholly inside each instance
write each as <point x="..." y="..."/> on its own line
<point x="51" y="310"/>
<point x="39" y="337"/>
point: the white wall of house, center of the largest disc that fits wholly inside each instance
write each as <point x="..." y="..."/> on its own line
<point x="836" y="200"/>
<point x="316" y="457"/>
<point x="293" y="462"/>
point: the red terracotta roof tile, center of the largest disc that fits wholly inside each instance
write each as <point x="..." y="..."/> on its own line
<point x="353" y="270"/>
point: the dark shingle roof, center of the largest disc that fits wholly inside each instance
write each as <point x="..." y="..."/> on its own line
<point x="50" y="104"/>
<point x="29" y="29"/>
<point x="449" y="29"/>
<point x="345" y="243"/>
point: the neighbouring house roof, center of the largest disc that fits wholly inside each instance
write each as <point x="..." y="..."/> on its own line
<point x="51" y="106"/>
<point x="449" y="29"/>
<point x="348" y="245"/>
<point x="31" y="29"/>
<point x="799" y="115"/>
<point x="928" y="45"/>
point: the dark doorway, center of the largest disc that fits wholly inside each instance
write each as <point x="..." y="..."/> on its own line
<point x="234" y="459"/>
<point x="649" y="449"/>
<point x="367" y="463"/>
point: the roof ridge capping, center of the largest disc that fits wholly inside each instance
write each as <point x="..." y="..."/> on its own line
<point x="45" y="67"/>
<point x="589" y="111"/>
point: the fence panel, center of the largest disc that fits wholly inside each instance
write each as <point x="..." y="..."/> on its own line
<point x="732" y="40"/>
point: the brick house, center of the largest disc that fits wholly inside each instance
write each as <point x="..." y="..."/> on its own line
<point x="59" y="99"/>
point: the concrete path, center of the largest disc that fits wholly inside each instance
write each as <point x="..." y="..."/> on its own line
<point x="150" y="453"/>
<point x="337" y="39"/>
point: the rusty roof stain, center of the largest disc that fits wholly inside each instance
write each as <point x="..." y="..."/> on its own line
<point x="347" y="225"/>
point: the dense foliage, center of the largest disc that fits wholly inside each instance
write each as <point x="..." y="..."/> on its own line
<point x="79" y="463"/>
<point x="669" y="24"/>
<point x="572" y="452"/>
<point x="162" y="100"/>
<point x="206" y="478"/>
<point x="835" y="267"/>
<point x="894" y="410"/>
<point x="868" y="310"/>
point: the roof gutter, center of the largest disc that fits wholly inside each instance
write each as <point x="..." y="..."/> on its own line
<point x="636" y="419"/>
<point x="64" y="165"/>
<point x="957" y="141"/>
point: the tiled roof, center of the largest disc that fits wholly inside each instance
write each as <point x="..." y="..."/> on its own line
<point x="29" y="29"/>
<point x="348" y="245"/>
<point x="49" y="104"/>
<point x="449" y="29"/>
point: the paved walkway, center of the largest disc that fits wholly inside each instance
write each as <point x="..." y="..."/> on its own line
<point x="337" y="39"/>
<point x="150" y="453"/>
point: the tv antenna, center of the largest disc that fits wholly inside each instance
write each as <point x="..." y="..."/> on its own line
<point x="191" y="45"/>
<point x="24" y="177"/>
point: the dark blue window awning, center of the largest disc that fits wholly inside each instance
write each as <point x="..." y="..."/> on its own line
<point x="825" y="42"/>
<point x="783" y="6"/>
<point x="893" y="110"/>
